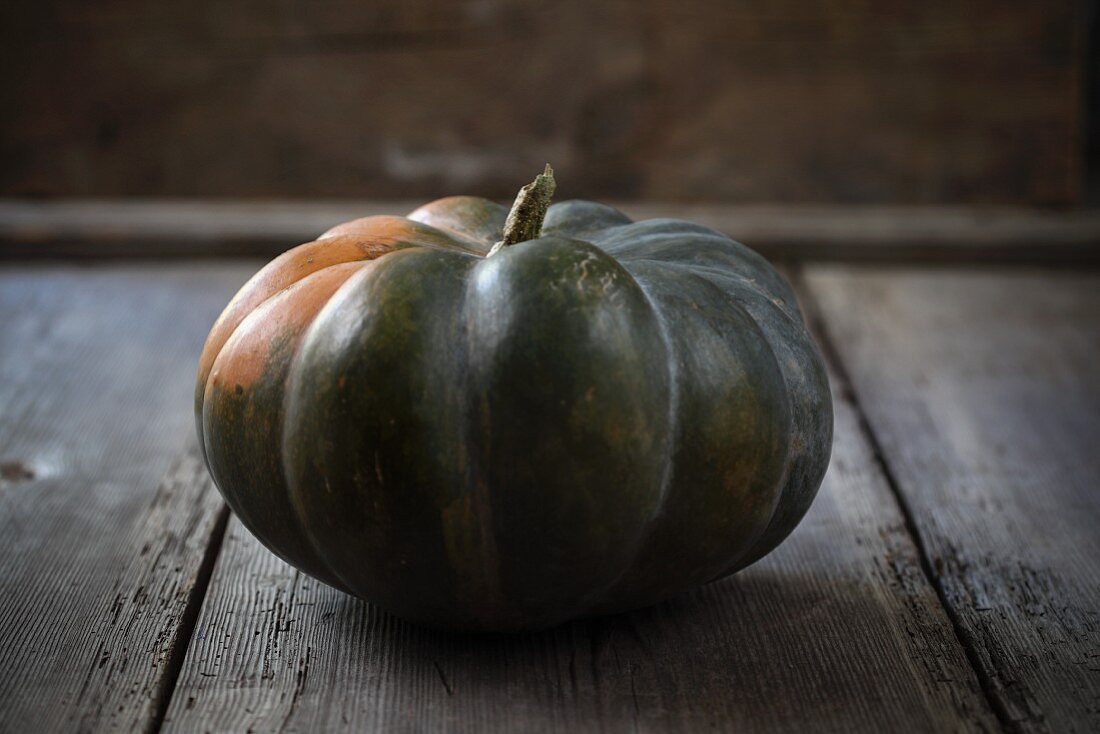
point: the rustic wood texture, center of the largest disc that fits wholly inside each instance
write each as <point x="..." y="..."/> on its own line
<point x="117" y="228"/>
<point x="983" y="392"/>
<point x="979" y="389"/>
<point x="838" y="630"/>
<point x="104" y="527"/>
<point x="743" y="100"/>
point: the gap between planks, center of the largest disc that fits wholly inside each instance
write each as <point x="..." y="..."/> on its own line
<point x="105" y="524"/>
<point x="981" y="390"/>
<point x="174" y="658"/>
<point x="812" y="312"/>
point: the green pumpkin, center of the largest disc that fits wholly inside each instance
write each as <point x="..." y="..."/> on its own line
<point x="583" y="422"/>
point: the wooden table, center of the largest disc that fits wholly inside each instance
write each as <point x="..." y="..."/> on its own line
<point x="947" y="577"/>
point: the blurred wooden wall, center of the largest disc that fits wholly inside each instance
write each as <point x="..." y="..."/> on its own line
<point x="721" y="100"/>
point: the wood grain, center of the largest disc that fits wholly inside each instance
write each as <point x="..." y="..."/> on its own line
<point x="982" y="389"/>
<point x="719" y="100"/>
<point x="838" y="630"/>
<point x="116" y="228"/>
<point x="104" y="527"/>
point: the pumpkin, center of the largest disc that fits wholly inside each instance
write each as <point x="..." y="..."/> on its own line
<point x="496" y="420"/>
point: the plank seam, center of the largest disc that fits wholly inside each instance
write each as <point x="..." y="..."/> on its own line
<point x="815" y="321"/>
<point x="177" y="652"/>
<point x="177" y="228"/>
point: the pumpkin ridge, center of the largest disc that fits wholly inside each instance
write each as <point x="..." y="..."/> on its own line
<point x="567" y="404"/>
<point x="388" y="229"/>
<point x="453" y="214"/>
<point x="780" y="485"/>
<point x="599" y="599"/>
<point x="370" y="493"/>
<point x="658" y="538"/>
<point x="804" y="376"/>
<point x="579" y="219"/>
<point x="668" y="226"/>
<point x="779" y="304"/>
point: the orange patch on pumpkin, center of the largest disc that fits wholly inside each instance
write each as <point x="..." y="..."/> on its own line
<point x="352" y="242"/>
<point x="274" y="330"/>
<point x="283" y="272"/>
<point x="396" y="231"/>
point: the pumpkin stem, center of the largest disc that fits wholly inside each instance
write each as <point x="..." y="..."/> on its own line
<point x="525" y="219"/>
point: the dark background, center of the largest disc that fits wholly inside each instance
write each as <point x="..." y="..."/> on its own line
<point x="733" y="101"/>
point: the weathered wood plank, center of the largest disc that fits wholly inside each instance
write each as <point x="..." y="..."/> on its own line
<point x="750" y="100"/>
<point x="104" y="529"/>
<point x="102" y="228"/>
<point x="984" y="392"/>
<point x="838" y="630"/>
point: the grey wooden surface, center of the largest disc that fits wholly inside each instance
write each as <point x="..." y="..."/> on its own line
<point x="104" y="524"/>
<point x="984" y="392"/>
<point x="946" y="579"/>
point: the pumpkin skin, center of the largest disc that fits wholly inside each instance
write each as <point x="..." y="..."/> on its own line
<point x="583" y="423"/>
